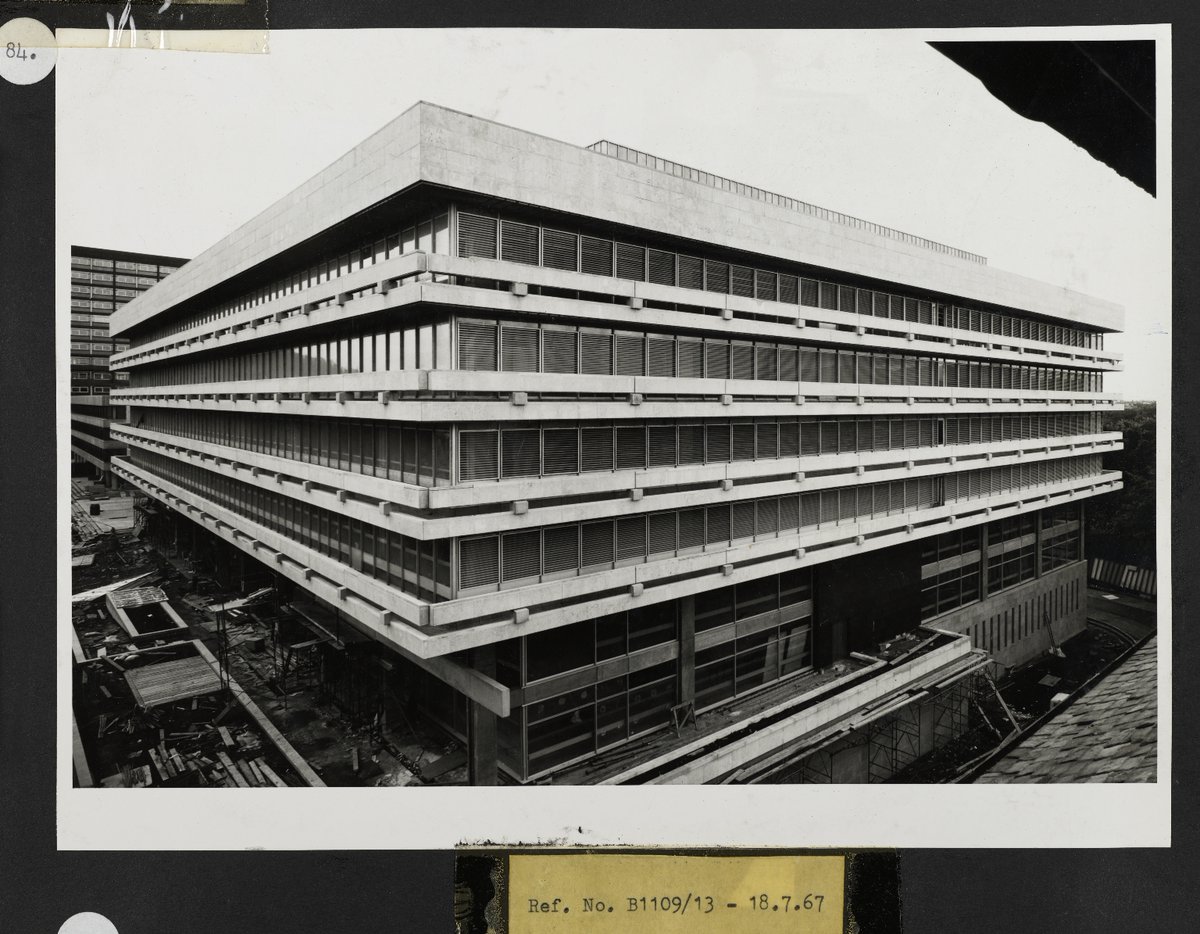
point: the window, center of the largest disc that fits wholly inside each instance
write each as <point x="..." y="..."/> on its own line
<point x="598" y="549"/>
<point x="520" y="452"/>
<point x="597" y="448"/>
<point x="519" y="243"/>
<point x="476" y="345"/>
<point x="631" y="262"/>
<point x="1060" y="536"/>
<point x="561" y="549"/>
<point x="596" y="256"/>
<point x="560" y="250"/>
<point x="950" y="571"/>
<point x="558" y="650"/>
<point x="519" y="348"/>
<point x="561" y="451"/>
<point x="478" y="455"/>
<point x="560" y="350"/>
<point x="1011" y="552"/>
<point x="521" y="556"/>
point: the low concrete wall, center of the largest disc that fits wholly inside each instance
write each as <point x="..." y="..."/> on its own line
<point x="1010" y="625"/>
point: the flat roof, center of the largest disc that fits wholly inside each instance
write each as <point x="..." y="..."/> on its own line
<point x="456" y="151"/>
<point x="659" y="164"/>
<point x="127" y="256"/>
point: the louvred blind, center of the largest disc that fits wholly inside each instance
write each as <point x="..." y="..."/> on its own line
<point x="476" y="345"/>
<point x="560" y="250"/>
<point x="519" y="243"/>
<point x="476" y="235"/>
<point x="479" y="562"/>
<point x="477" y="455"/>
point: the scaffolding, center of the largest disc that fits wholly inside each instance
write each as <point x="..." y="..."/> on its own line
<point x="894" y="741"/>
<point x="223" y="650"/>
<point x="816" y="769"/>
<point x="293" y="664"/>
<point x="951" y="709"/>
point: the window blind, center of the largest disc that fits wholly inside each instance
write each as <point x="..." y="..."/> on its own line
<point x="519" y="243"/>
<point x="560" y="349"/>
<point x="478" y="458"/>
<point x="476" y="346"/>
<point x="476" y="235"/>
<point x="560" y="250"/>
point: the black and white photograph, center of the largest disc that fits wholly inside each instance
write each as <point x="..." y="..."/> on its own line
<point x="492" y="427"/>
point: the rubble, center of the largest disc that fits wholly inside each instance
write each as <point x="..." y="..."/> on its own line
<point x="181" y="682"/>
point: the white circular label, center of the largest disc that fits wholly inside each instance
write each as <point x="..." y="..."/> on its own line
<point x="87" y="922"/>
<point x="27" y="51"/>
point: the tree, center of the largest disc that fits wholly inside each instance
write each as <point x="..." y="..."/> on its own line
<point x="1121" y="525"/>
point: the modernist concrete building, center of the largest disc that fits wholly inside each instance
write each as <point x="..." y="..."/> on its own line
<point x="101" y="282"/>
<point x="631" y="473"/>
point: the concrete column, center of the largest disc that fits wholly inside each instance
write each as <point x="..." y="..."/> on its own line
<point x="482" y="746"/>
<point x="1037" y="557"/>
<point x="687" y="649"/>
<point x="983" y="561"/>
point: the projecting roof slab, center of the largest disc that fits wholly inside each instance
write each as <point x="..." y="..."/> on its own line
<point x="456" y="150"/>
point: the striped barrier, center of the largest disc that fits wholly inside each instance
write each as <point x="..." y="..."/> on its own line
<point x="1129" y="577"/>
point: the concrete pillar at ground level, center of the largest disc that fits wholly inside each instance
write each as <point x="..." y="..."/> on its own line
<point x="687" y="649"/>
<point x="482" y="746"/>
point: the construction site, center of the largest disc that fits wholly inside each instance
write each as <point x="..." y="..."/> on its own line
<point x="195" y="666"/>
<point x="181" y="681"/>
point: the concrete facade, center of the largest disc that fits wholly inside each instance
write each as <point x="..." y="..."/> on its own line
<point x="1016" y="628"/>
<point x="511" y="405"/>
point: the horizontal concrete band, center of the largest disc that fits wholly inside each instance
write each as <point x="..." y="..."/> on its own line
<point x="505" y="383"/>
<point x="90" y="419"/>
<point x="819" y="545"/>
<point x="372" y="620"/>
<point x="106" y="444"/>
<point x="464" y="153"/>
<point x="85" y="454"/>
<point x="745" y="312"/>
<point x="282" y="476"/>
<point x="379" y="605"/>
<point x="322" y="298"/>
<point x="535" y="411"/>
<point x="488" y="492"/>
<point x="298" y="311"/>
<point x="740" y="472"/>
<point x="89" y="400"/>
<point x="248" y="464"/>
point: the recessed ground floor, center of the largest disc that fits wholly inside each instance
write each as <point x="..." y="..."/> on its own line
<point x="743" y="683"/>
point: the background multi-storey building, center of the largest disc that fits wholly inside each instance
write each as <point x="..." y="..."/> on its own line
<point x="628" y="471"/>
<point x="101" y="282"/>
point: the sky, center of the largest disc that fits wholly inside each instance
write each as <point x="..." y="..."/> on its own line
<point x="167" y="152"/>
